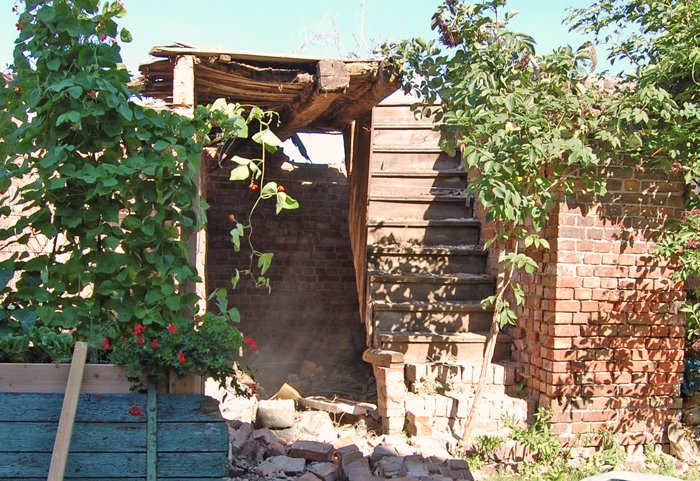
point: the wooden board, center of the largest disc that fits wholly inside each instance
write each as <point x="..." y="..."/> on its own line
<point x="108" y="442"/>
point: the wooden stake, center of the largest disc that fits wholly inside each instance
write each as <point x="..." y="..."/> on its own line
<point x="61" y="446"/>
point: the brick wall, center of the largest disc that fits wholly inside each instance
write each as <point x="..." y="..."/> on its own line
<point x="308" y="328"/>
<point x="599" y="340"/>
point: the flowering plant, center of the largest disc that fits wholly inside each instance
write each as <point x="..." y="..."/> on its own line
<point x="205" y="345"/>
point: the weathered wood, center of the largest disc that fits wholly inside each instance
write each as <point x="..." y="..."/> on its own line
<point x="70" y="406"/>
<point x="108" y="408"/>
<point x="52" y="378"/>
<point x="332" y="76"/>
<point x="122" y="466"/>
<point x="152" y="434"/>
<point x="28" y="437"/>
<point x="173" y="51"/>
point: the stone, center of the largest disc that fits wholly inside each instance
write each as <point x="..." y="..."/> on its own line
<point x="241" y="435"/>
<point x="431" y="446"/>
<point x="307" y="477"/>
<point x="457" y="464"/>
<point x="288" y="435"/>
<point x="287" y="465"/>
<point x="358" y="467"/>
<point x="266" y="469"/>
<point x="264" y="435"/>
<point x="276" y="413"/>
<point x="312" y="450"/>
<point x="629" y="476"/>
<point x="683" y="446"/>
<point x="350" y="456"/>
<point x="389" y="466"/>
<point x="317" y="426"/>
<point x="413" y="466"/>
<point x="325" y="471"/>
<point x="382" y="451"/>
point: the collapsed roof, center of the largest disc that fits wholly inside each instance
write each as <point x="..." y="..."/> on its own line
<point x="309" y="93"/>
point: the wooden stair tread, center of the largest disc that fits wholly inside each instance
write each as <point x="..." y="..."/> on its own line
<point x="458" y="250"/>
<point x="429" y="278"/>
<point x="458" y="221"/>
<point x="456" y="338"/>
<point x="447" y="197"/>
<point x="410" y="149"/>
<point x="443" y="306"/>
<point x="419" y="173"/>
<point x="424" y="124"/>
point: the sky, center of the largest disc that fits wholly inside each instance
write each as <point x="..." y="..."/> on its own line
<point x="327" y="28"/>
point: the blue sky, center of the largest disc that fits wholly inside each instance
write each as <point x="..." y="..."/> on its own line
<point x="303" y="27"/>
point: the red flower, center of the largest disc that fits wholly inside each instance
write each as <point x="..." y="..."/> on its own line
<point x="197" y="319"/>
<point x="19" y="26"/>
<point x="181" y="358"/>
<point x="106" y="344"/>
<point x="136" y="411"/>
<point x="90" y="94"/>
<point x="139" y="340"/>
<point x="140" y="329"/>
<point x="253" y="186"/>
<point x="253" y="389"/>
<point x="280" y="188"/>
<point x="154" y="344"/>
<point x="251" y="342"/>
<point x="171" y="327"/>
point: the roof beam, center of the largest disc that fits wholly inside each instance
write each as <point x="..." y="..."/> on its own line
<point x="332" y="80"/>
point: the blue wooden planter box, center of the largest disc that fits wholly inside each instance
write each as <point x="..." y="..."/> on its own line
<point x="188" y="440"/>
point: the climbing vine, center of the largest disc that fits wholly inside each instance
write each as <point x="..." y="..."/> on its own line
<point x="532" y="127"/>
<point x="106" y="184"/>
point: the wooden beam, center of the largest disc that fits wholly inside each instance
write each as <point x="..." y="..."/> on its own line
<point x="167" y="51"/>
<point x="301" y="115"/>
<point x="183" y="85"/>
<point x="384" y="83"/>
<point x="332" y="76"/>
<point x="61" y="446"/>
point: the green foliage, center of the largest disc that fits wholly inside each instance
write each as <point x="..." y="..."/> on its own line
<point x="107" y="182"/>
<point x="537" y="438"/>
<point x="485" y="445"/>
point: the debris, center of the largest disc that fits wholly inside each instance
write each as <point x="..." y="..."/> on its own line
<point x="629" y="476"/>
<point x="325" y="471"/>
<point x="286" y="392"/>
<point x="338" y="405"/>
<point x="683" y="446"/>
<point x="312" y="450"/>
<point x="276" y="413"/>
<point x="316" y="425"/>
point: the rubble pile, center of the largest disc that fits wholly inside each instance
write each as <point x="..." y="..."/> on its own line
<point x="284" y="444"/>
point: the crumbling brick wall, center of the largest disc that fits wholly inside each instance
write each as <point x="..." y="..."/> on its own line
<point x="308" y="329"/>
<point x="600" y="339"/>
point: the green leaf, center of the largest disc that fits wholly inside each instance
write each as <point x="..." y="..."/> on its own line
<point x="240" y="160"/>
<point x="240" y="173"/>
<point x="125" y="35"/>
<point x="53" y="64"/>
<point x="267" y="137"/>
<point x="173" y="303"/>
<point x="76" y="92"/>
<point x="26" y="318"/>
<point x="269" y="189"/>
<point x="6" y="274"/>
<point x="284" y="201"/>
<point x="234" y="315"/>
<point x="264" y="262"/>
<point x="235" y="278"/>
<point x="161" y="145"/>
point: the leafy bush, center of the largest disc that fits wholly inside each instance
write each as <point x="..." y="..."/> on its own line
<point x="108" y="183"/>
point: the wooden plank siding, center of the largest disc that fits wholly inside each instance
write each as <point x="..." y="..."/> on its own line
<point x="108" y="442"/>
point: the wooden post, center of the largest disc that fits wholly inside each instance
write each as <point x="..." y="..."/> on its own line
<point x="61" y="446"/>
<point x="152" y="434"/>
<point x="184" y="102"/>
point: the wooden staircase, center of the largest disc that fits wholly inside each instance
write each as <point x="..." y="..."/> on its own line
<point x="425" y="268"/>
<point x="426" y="272"/>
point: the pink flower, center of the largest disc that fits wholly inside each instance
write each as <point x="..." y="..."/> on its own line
<point x="136" y="411"/>
<point x="171" y="327"/>
<point x="139" y="341"/>
<point x="251" y="342"/>
<point x="154" y="344"/>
